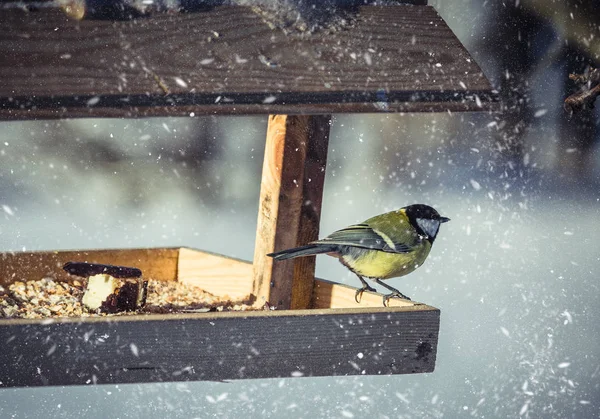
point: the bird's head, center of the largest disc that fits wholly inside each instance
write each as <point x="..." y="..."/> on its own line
<point x="425" y="219"/>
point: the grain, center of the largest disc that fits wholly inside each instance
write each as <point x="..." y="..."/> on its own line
<point x="38" y="299"/>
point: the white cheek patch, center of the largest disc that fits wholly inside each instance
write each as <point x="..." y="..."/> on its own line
<point x="429" y="227"/>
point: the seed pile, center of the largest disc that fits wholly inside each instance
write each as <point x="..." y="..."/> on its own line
<point x="46" y="297"/>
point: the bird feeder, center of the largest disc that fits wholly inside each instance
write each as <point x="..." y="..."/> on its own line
<point x="229" y="60"/>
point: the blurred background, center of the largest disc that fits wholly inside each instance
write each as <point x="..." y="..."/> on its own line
<point x="515" y="273"/>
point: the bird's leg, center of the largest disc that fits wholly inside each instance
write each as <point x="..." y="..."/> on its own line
<point x="394" y="293"/>
<point x="365" y="287"/>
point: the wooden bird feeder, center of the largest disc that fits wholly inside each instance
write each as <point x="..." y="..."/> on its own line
<point x="229" y="60"/>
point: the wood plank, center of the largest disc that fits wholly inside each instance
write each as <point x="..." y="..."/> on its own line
<point x="327" y="294"/>
<point x="152" y="109"/>
<point x="223" y="276"/>
<point x="310" y="212"/>
<point x="108" y="9"/>
<point x="281" y="205"/>
<point x="158" y="263"/>
<point x="391" y="58"/>
<point x="219" y="346"/>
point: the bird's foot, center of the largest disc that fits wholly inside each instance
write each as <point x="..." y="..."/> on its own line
<point x="398" y="294"/>
<point x="359" y="292"/>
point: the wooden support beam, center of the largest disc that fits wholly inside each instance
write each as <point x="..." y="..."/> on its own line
<point x="289" y="207"/>
<point x="310" y="213"/>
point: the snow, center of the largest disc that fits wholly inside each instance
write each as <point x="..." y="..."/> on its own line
<point x="134" y="349"/>
<point x="8" y="210"/>
<point x="514" y="273"/>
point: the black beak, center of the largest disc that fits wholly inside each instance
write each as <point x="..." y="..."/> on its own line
<point x="444" y="219"/>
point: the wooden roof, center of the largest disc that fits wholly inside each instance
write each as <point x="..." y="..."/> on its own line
<point x="228" y="60"/>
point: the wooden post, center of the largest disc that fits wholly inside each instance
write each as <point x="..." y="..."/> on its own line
<point x="310" y="213"/>
<point x="289" y="207"/>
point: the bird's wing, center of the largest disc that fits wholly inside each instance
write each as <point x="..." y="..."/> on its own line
<point x="363" y="236"/>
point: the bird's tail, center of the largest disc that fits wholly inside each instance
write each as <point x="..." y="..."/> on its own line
<point x="309" y="249"/>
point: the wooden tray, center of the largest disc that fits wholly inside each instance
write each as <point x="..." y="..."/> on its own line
<point x="333" y="336"/>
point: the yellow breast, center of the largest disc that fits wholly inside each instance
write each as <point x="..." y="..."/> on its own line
<point x="383" y="265"/>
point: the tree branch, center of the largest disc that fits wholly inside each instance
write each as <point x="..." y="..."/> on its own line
<point x="586" y="97"/>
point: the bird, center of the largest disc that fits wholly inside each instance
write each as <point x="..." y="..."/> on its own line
<point x="385" y="246"/>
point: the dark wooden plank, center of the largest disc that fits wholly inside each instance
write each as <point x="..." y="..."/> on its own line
<point x="150" y="110"/>
<point x="392" y="58"/>
<point x="219" y="346"/>
<point x="310" y="212"/>
<point x="109" y="9"/>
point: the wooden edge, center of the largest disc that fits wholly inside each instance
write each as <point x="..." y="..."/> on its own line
<point x="223" y="315"/>
<point x="327" y="294"/>
<point x="488" y="105"/>
<point x="219" y="346"/>
<point x="80" y="9"/>
<point x="155" y="263"/>
<point x="222" y="276"/>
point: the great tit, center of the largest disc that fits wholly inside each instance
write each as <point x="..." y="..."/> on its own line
<point x="385" y="246"/>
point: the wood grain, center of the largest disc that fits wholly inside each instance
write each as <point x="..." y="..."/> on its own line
<point x="222" y="276"/>
<point x="279" y="208"/>
<point x="310" y="213"/>
<point x="391" y="58"/>
<point x="23" y="266"/>
<point x="327" y="294"/>
<point x="219" y="346"/>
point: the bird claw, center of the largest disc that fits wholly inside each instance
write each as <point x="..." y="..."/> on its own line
<point x="358" y="295"/>
<point x="359" y="292"/>
<point x="398" y="294"/>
